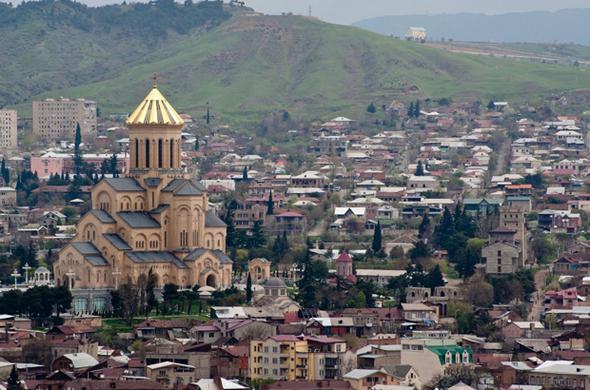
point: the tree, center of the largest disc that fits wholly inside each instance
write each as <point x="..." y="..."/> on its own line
<point x="170" y="292"/>
<point x="77" y="154"/>
<point x="491" y="105"/>
<point x="419" y="169"/>
<point x="270" y="206"/>
<point x="543" y="249"/>
<point x="113" y="165"/>
<point x="62" y="299"/>
<point x="257" y="240"/>
<point x="434" y="278"/>
<point x="424" y="228"/>
<point x="478" y="291"/>
<point x="13" y="382"/>
<point x="419" y="251"/>
<point x="411" y="110"/>
<point x="245" y="174"/>
<point x="417" y="109"/>
<point x="445" y="229"/>
<point x="151" y="301"/>
<point x="5" y="173"/>
<point x="371" y="109"/>
<point x="377" y="244"/>
<point x="249" y="288"/>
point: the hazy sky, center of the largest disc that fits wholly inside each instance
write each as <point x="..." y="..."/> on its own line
<point x="349" y="11"/>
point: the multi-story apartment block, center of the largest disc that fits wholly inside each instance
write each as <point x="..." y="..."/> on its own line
<point x="287" y="357"/>
<point x="56" y="119"/>
<point x="8" y="137"/>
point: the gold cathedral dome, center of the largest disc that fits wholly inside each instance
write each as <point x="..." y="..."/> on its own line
<point x="155" y="110"/>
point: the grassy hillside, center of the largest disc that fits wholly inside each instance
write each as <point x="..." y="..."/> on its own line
<point x="51" y="44"/>
<point x="252" y="64"/>
<point x="244" y="66"/>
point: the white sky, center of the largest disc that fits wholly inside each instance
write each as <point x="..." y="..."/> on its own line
<point x="350" y="11"/>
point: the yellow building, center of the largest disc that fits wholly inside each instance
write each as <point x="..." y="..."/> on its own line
<point x="156" y="218"/>
<point x="288" y="357"/>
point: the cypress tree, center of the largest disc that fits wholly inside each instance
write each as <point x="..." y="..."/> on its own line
<point x="77" y="154"/>
<point x="13" y="382"/>
<point x="420" y="169"/>
<point x="417" y="109"/>
<point x="249" y="288"/>
<point x="270" y="206"/>
<point x="377" y="239"/>
<point x="411" y="110"/>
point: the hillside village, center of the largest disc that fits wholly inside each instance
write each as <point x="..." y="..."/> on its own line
<point x="429" y="244"/>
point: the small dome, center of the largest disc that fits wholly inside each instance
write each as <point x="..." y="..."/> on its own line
<point x="344" y="258"/>
<point x="275" y="282"/>
<point x="41" y="269"/>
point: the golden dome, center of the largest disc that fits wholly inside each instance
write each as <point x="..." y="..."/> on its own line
<point x="155" y="110"/>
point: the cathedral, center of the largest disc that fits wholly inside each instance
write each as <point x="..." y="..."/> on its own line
<point x="156" y="218"/>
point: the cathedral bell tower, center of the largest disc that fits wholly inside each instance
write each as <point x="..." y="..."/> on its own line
<point x="155" y="141"/>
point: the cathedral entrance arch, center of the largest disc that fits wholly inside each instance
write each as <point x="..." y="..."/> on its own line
<point x="211" y="281"/>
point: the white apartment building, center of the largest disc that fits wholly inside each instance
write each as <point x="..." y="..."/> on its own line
<point x="56" y="119"/>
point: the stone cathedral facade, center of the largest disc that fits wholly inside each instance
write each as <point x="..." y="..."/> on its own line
<point x="155" y="218"/>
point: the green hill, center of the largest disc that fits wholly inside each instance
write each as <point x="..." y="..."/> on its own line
<point x="249" y="65"/>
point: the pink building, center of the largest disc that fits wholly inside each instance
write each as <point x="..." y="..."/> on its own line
<point x="52" y="163"/>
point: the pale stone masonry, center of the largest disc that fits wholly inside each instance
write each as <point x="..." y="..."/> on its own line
<point x="56" y="119"/>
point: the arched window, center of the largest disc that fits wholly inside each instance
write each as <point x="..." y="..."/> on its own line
<point x="171" y="153"/>
<point x="448" y="357"/>
<point x="465" y="357"/>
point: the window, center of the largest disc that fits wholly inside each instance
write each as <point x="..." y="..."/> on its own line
<point x="448" y="357"/>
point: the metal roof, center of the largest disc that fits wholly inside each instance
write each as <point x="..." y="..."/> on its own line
<point x="155" y="110"/>
<point x="124" y="184"/>
<point x="138" y="220"/>
<point x="212" y="220"/>
<point x="117" y="241"/>
<point x="102" y="216"/>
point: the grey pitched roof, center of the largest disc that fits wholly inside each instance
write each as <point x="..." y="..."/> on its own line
<point x="152" y="181"/>
<point x="399" y="371"/>
<point x="138" y="220"/>
<point x="102" y="216"/>
<point x="85" y="248"/>
<point x="184" y="187"/>
<point x="97" y="260"/>
<point x="212" y="220"/>
<point x="90" y="253"/>
<point x="222" y="257"/>
<point x="195" y="254"/>
<point x="156" y="257"/>
<point x="124" y="184"/>
<point x="159" y="209"/>
<point x="117" y="241"/>
<point x="198" y="252"/>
